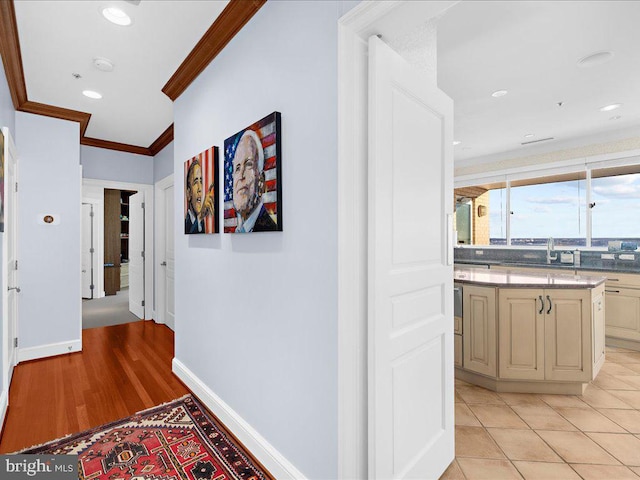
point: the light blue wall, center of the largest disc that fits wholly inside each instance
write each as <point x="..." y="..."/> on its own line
<point x="105" y="164"/>
<point x="163" y="163"/>
<point x="50" y="183"/>
<point x="256" y="314"/>
<point x="7" y="113"/>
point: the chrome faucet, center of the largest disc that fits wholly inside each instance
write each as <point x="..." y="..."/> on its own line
<point x="550" y="248"/>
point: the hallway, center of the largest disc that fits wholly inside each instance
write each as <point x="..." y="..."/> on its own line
<point x="122" y="369"/>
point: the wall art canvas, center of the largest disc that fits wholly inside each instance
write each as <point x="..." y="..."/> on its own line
<point x="253" y="183"/>
<point x="201" y="193"/>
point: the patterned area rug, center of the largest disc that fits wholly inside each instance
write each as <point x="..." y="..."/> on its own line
<point x="175" y="441"/>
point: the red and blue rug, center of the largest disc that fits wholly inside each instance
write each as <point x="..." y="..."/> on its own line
<point x="175" y="441"/>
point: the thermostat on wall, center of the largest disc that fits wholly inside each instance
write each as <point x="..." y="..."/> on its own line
<point x="48" y="219"/>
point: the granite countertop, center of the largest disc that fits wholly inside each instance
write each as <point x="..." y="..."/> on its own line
<point x="524" y="280"/>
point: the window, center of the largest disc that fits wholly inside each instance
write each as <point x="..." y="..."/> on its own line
<point x="616" y="207"/>
<point x="558" y="206"/>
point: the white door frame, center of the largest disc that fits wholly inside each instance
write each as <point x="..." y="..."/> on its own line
<point x="160" y="187"/>
<point x="148" y="226"/>
<point x="366" y="19"/>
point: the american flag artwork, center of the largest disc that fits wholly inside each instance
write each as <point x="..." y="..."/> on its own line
<point x="267" y="212"/>
<point x="201" y="188"/>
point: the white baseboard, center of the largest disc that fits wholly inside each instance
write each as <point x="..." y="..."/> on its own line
<point x="50" y="350"/>
<point x="266" y="454"/>
<point x="4" y="404"/>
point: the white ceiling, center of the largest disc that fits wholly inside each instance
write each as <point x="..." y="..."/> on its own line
<point x="531" y="49"/>
<point x="59" y="38"/>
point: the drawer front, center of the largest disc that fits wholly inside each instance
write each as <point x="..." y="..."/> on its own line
<point x="457" y="350"/>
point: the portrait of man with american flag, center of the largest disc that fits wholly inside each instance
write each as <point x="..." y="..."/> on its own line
<point x="252" y="193"/>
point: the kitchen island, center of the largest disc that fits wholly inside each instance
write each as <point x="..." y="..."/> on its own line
<point x="538" y="333"/>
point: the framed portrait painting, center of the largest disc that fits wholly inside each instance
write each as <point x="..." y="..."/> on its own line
<point x="201" y="193"/>
<point x="252" y="178"/>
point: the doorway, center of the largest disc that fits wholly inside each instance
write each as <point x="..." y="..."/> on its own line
<point x="122" y="236"/>
<point x="165" y="258"/>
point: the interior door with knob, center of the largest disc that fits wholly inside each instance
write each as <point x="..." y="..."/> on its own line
<point x="136" y="255"/>
<point x="169" y="261"/>
<point x="87" y="250"/>
<point x="10" y="265"/>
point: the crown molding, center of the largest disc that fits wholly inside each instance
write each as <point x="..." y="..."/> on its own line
<point x="120" y="147"/>
<point x="235" y="15"/>
<point x="162" y="141"/>
<point x="57" y="112"/>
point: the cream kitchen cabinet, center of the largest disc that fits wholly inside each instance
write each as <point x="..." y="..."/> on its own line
<point x="531" y="333"/>
<point x="545" y="334"/>
<point x="479" y="329"/>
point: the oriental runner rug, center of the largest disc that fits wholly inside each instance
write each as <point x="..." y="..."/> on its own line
<point x="175" y="441"/>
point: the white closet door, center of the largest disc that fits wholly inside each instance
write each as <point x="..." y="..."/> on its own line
<point x="136" y="254"/>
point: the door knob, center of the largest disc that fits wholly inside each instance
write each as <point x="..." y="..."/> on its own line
<point x="163" y="264"/>
<point x="17" y="289"/>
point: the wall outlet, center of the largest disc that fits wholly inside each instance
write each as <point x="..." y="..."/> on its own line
<point x="627" y="256"/>
<point x="479" y="252"/>
<point x="608" y="256"/>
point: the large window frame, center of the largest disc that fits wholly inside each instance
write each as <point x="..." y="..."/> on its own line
<point x="578" y="169"/>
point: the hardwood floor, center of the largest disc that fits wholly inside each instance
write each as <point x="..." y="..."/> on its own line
<point x="122" y="369"/>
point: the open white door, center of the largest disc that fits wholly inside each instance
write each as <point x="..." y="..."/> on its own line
<point x="136" y="254"/>
<point x="87" y="250"/>
<point x="411" y="383"/>
<point x="169" y="261"/>
<point x="10" y="264"/>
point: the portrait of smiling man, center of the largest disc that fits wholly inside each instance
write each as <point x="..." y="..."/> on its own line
<point x="200" y="203"/>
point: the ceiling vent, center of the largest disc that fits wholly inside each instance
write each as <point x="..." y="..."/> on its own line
<point x="133" y="2"/>
<point x="537" y="141"/>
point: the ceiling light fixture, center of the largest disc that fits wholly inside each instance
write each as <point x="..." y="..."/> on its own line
<point x="594" y="59"/>
<point x="608" y="108"/>
<point x="499" y="93"/>
<point x="92" y="94"/>
<point x="528" y="135"/>
<point x="456" y="142"/>
<point x="103" y="64"/>
<point x="117" y="16"/>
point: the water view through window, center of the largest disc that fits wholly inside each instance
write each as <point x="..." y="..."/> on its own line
<point x="559" y="210"/>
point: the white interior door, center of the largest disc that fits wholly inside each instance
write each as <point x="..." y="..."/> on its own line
<point x="411" y="383"/>
<point x="87" y="248"/>
<point x="169" y="262"/>
<point x="10" y="267"/>
<point x="136" y="254"/>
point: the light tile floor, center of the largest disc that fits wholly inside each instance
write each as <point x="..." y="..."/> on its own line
<point x="547" y="437"/>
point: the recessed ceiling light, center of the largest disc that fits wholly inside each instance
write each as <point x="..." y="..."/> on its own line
<point x="499" y="93"/>
<point x="117" y="16"/>
<point x="608" y="108"/>
<point x="617" y="117"/>
<point x="594" y="59"/>
<point x="456" y="142"/>
<point x="91" y="94"/>
<point x="528" y="135"/>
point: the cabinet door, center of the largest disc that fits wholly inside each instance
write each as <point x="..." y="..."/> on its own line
<point x="479" y="329"/>
<point x="598" y="316"/>
<point x="623" y="312"/>
<point x="521" y="337"/>
<point x="568" y="334"/>
<point x="457" y="350"/>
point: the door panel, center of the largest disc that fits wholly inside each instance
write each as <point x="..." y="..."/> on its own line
<point x="410" y="279"/>
<point x="136" y="254"/>
<point x="87" y="245"/>
<point x="10" y="253"/>
<point x="521" y="337"/>
<point x="169" y="258"/>
<point x="479" y="326"/>
<point x="623" y="313"/>
<point x="568" y="335"/>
